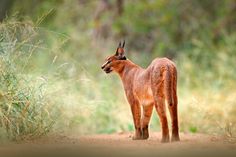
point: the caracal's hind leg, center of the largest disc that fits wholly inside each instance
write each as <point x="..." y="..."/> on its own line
<point x="174" y="121"/>
<point x="160" y="107"/>
<point x="147" y="113"/>
<point x="136" y="112"/>
<point x="173" y="110"/>
<point x="157" y="86"/>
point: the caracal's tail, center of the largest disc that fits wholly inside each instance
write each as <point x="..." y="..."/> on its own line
<point x="170" y="83"/>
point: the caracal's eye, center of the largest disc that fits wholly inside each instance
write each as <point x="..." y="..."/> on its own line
<point x="109" y="61"/>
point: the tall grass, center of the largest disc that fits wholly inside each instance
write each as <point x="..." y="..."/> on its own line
<point x="25" y="110"/>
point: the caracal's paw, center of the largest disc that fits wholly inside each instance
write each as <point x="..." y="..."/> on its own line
<point x="144" y="137"/>
<point x="137" y="137"/>
<point x="145" y="134"/>
<point x="175" y="139"/>
<point x="165" y="140"/>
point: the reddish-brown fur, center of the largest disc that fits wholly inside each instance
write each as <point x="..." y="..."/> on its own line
<point x="145" y="88"/>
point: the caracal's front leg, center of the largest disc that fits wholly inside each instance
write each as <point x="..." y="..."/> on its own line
<point x="147" y="113"/>
<point x="136" y="112"/>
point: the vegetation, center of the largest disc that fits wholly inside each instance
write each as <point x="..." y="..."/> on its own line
<point x="50" y="58"/>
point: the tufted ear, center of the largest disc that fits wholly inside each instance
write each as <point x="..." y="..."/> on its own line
<point x="120" y="53"/>
<point x="123" y="44"/>
<point x="119" y="44"/>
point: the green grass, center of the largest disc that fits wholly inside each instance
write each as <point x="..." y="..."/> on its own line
<point x="51" y="81"/>
<point x="24" y="107"/>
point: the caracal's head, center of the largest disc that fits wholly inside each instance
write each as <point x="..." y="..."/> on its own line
<point x="113" y="63"/>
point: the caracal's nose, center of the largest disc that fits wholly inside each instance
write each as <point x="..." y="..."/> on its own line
<point x="103" y="66"/>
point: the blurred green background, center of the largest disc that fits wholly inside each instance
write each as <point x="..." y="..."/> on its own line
<point x="51" y="52"/>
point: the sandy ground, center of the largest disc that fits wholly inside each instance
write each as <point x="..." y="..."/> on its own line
<point x="120" y="144"/>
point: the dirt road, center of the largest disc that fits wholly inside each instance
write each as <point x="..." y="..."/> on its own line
<point x="121" y="145"/>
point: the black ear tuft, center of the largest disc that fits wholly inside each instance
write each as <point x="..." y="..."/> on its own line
<point x="117" y="52"/>
<point x="123" y="44"/>
<point x="120" y="51"/>
<point x="119" y="44"/>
